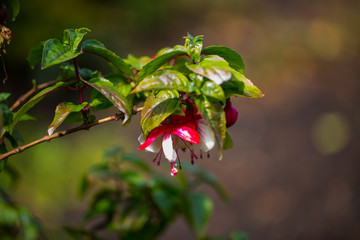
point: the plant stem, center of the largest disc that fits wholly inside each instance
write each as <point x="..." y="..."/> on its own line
<point x="27" y="95"/>
<point x="81" y="94"/>
<point x="60" y="134"/>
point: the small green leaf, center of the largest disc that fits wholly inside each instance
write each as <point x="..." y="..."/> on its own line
<point x="55" y="52"/>
<point x="194" y="46"/>
<point x="107" y="88"/>
<point x="35" y="54"/>
<point x="157" y="108"/>
<point x="241" y="86"/>
<point x="156" y="63"/>
<point x="211" y="89"/>
<point x="214" y="114"/>
<point x="34" y="100"/>
<point x="61" y="112"/>
<point x="199" y="213"/>
<point x="97" y="48"/>
<point x="228" y="142"/>
<point x="72" y="37"/>
<point x="13" y="8"/>
<point x="163" y="79"/>
<point x="233" y="58"/>
<point x="137" y="63"/>
<point x="213" y="67"/>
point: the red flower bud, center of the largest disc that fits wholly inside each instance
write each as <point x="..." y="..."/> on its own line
<point x="231" y="114"/>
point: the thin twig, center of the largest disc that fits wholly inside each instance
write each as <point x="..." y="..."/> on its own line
<point x="60" y="134"/>
<point x="27" y="95"/>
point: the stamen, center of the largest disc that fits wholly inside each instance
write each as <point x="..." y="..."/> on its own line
<point x="192" y="159"/>
<point x="201" y="154"/>
<point x="158" y="163"/>
<point x="157" y="155"/>
<point x="193" y="154"/>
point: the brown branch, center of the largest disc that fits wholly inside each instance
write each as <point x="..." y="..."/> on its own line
<point x="60" y="134"/>
<point x="27" y="95"/>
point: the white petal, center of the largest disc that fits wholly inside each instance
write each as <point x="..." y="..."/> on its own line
<point x="154" y="147"/>
<point x="168" y="148"/>
<point x="207" y="139"/>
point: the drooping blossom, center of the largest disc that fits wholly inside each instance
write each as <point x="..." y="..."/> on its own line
<point x="231" y="114"/>
<point x="163" y="139"/>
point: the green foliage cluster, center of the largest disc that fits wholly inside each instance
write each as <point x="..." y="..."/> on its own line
<point x="166" y="84"/>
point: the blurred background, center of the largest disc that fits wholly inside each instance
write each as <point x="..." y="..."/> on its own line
<point x="294" y="170"/>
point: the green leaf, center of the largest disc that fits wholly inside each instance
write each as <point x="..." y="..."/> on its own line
<point x="194" y="46"/>
<point x="35" y="54"/>
<point x="233" y="58"/>
<point x="34" y="100"/>
<point x="156" y="63"/>
<point x="199" y="212"/>
<point x="213" y="67"/>
<point x="214" y="114"/>
<point x="4" y="96"/>
<point x="13" y="8"/>
<point x="211" y="89"/>
<point x="61" y="112"/>
<point x="107" y="88"/>
<point x="228" y="142"/>
<point x="137" y="63"/>
<point x="97" y="48"/>
<point x="55" y="52"/>
<point x="73" y="37"/>
<point x="157" y="108"/>
<point x="241" y="86"/>
<point x="163" y="79"/>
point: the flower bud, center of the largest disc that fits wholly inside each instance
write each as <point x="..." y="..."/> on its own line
<point x="231" y="114"/>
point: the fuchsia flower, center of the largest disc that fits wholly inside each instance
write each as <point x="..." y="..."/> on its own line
<point x="231" y="114"/>
<point x="162" y="139"/>
<point x="178" y="131"/>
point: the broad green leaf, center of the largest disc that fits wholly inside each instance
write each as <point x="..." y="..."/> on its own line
<point x="120" y="82"/>
<point x="72" y="37"/>
<point x="211" y="89"/>
<point x="157" y="108"/>
<point x="199" y="213"/>
<point x="241" y="86"/>
<point x="34" y="100"/>
<point x="233" y="58"/>
<point x="35" y="54"/>
<point x="61" y="112"/>
<point x="13" y="8"/>
<point x="163" y="79"/>
<point x="97" y="48"/>
<point x="194" y="46"/>
<point x="213" y="67"/>
<point x="156" y="63"/>
<point x="56" y="52"/>
<point x="213" y="113"/>
<point x="107" y="88"/>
